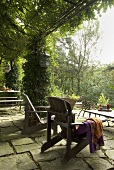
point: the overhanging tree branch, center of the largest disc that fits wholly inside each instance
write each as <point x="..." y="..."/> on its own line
<point x="69" y="14"/>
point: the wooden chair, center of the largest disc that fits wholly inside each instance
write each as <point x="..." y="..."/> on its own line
<point x="33" y="122"/>
<point x="64" y="117"/>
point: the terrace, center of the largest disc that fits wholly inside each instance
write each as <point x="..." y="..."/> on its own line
<point x="23" y="152"/>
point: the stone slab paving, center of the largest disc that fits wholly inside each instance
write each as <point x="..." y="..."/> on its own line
<point x="25" y="148"/>
<point x="98" y="163"/>
<point x="73" y="164"/>
<point x="22" y="141"/>
<point x="17" y="162"/>
<point x="85" y="153"/>
<point x="19" y="152"/>
<point x="4" y="123"/>
<point x="10" y="136"/>
<point x="5" y="149"/>
<point x="9" y="129"/>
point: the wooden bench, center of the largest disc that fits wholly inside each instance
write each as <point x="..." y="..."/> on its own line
<point x="10" y="98"/>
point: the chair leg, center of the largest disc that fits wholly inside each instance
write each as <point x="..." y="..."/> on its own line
<point x="50" y="143"/>
<point x="75" y="150"/>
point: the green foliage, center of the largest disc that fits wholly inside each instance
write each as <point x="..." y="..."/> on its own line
<point x="102" y="100"/>
<point x="36" y="78"/>
<point x="73" y="96"/>
<point x="11" y="79"/>
<point x="55" y="91"/>
<point x="1" y="76"/>
<point x="19" y="19"/>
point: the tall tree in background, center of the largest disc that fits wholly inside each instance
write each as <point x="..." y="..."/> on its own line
<point x="77" y="52"/>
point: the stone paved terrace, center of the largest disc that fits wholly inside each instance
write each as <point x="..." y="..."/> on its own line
<point x="19" y="152"/>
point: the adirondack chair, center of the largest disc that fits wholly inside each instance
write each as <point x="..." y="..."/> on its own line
<point x="66" y="120"/>
<point x="33" y="122"/>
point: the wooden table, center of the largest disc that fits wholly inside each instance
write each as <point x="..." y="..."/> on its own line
<point x="109" y="115"/>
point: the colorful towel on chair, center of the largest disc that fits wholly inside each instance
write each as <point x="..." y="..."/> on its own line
<point x="94" y="130"/>
<point x="95" y="133"/>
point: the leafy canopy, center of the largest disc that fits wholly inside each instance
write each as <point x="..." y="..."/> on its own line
<point x="20" y="19"/>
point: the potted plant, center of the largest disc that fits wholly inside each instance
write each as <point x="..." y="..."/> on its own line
<point x="102" y="101"/>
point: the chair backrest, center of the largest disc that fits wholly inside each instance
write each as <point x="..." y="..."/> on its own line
<point x="29" y="105"/>
<point x="60" y="108"/>
<point x="71" y="101"/>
